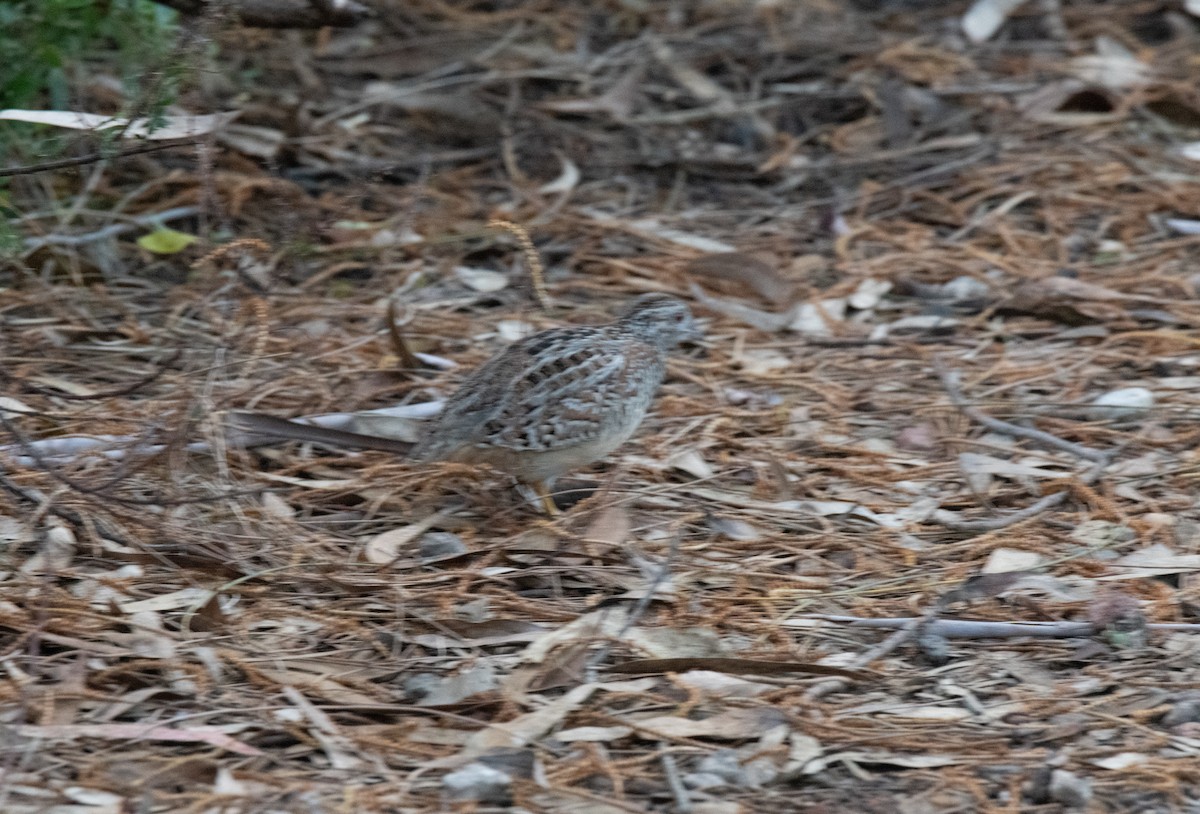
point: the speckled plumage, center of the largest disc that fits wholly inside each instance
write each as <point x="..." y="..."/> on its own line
<point x="561" y="398"/>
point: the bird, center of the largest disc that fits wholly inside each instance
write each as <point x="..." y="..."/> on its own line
<point x="562" y="398"/>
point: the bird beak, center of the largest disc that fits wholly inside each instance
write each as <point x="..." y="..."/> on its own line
<point x="695" y="333"/>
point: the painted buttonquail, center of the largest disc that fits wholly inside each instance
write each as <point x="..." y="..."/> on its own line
<point x="562" y="398"/>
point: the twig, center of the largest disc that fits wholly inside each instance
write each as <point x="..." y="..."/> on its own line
<point x="407" y="360"/>
<point x="25" y="384"/>
<point x="916" y="625"/>
<point x="92" y="158"/>
<point x="639" y="608"/>
<point x="683" y="803"/>
<point x="950" y="381"/>
<point x="911" y="628"/>
<point x="27" y="446"/>
<point x="260" y="426"/>
<point x="40" y="502"/>
<point x="112" y="230"/>
<point x="116" y="447"/>
<point x="1030" y="511"/>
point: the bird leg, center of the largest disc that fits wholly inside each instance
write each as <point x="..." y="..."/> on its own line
<point x="542" y="490"/>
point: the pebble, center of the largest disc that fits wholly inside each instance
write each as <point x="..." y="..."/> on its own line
<point x="1122" y="405"/>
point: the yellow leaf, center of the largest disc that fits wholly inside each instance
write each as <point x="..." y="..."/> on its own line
<point x="166" y="241"/>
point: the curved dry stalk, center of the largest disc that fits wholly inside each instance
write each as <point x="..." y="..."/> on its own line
<point x="537" y="274"/>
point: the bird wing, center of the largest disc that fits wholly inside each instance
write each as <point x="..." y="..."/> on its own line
<point x="553" y="389"/>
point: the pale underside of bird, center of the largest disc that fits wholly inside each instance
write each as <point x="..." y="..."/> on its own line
<point x="562" y="398"/>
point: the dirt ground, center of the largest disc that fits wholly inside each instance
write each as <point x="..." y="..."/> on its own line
<point x="947" y="274"/>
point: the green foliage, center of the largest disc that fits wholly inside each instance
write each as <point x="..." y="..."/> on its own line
<point x="47" y="45"/>
<point x="10" y="241"/>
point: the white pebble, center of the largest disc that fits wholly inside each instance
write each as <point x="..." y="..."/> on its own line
<point x="1122" y="405"/>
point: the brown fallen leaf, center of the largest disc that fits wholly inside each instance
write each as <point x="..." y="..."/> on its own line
<point x="747" y="272"/>
<point x="1070" y="301"/>
<point x="611" y="526"/>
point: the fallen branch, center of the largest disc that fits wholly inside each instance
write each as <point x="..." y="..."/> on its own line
<point x="950" y="382"/>
<point x="912" y="628"/>
<point x="92" y="158"/>
<point x="947" y="518"/>
<point x="112" y="230"/>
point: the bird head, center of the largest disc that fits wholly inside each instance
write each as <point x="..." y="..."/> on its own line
<point x="660" y="319"/>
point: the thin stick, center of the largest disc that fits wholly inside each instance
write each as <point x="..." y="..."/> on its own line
<point x="1030" y="511"/>
<point x="639" y="608"/>
<point x="536" y="271"/>
<point x="683" y="803"/>
<point x="911" y="629"/>
<point x="950" y="381"/>
<point x="92" y="158"/>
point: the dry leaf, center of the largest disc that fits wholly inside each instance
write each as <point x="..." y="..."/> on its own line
<point x="159" y="129"/>
<point x="386" y="547"/>
<point x="527" y="728"/>
<point x="672" y="643"/>
<point x="452" y="689"/>
<point x="1113" y="66"/>
<point x="985" y="17"/>
<point x="733" y="724"/>
<point x="868" y="294"/>
<point x="611" y="526"/>
<point x="593" y="734"/>
<point x="761" y="361"/>
<point x="1156" y="560"/>
<point x="898" y="759"/>
<point x="1120" y="761"/>
<point x="567" y="180"/>
<point x="1002" y="560"/>
<point x="617" y="101"/>
<point x="746" y="271"/>
<point x="691" y="462"/>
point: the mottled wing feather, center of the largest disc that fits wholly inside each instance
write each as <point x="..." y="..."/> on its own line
<point x="559" y="399"/>
<point x="489" y="390"/>
<point x="558" y="388"/>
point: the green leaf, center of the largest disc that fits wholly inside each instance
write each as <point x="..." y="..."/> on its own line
<point x="166" y="241"/>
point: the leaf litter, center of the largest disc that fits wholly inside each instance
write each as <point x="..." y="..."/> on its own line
<point x="939" y="438"/>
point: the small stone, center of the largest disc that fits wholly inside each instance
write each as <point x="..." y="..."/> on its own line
<point x="1125" y="404"/>
<point x="475" y="781"/>
<point x="725" y="764"/>
<point x="1185" y="711"/>
<point x="917" y="438"/>
<point x="965" y="288"/>
<point x="420" y="685"/>
<point x="704" y="780"/>
<point x="1070" y="789"/>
